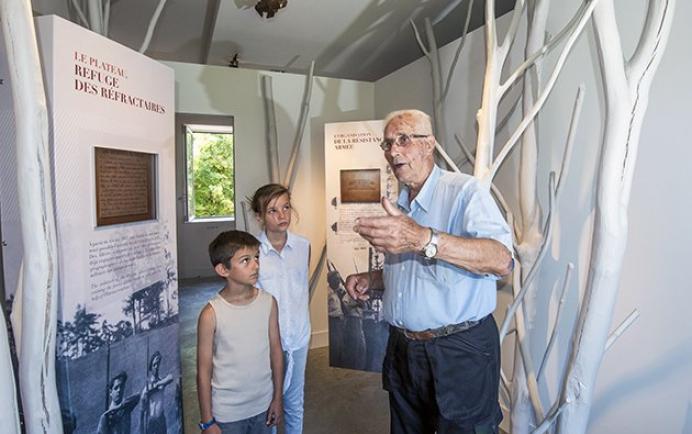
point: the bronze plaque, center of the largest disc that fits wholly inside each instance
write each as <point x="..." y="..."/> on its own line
<point x="125" y="186"/>
<point x="360" y="186"/>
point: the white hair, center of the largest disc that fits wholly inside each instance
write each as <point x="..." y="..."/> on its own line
<point x="419" y="115"/>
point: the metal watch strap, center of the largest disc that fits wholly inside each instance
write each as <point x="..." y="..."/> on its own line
<point x="430" y="249"/>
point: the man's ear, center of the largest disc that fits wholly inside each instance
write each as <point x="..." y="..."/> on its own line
<point x="430" y="144"/>
<point x="221" y="270"/>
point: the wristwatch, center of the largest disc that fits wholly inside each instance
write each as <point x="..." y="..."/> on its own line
<point x="430" y="249"/>
<point x="206" y="425"/>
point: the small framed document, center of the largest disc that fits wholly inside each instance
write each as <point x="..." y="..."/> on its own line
<point x="360" y="186"/>
<point x="125" y="186"/>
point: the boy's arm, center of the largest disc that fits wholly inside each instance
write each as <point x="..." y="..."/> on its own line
<point x="275" y="411"/>
<point x="205" y="341"/>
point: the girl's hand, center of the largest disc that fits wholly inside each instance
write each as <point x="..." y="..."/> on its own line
<point x="275" y="412"/>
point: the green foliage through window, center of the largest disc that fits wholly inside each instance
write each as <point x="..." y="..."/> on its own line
<point x="211" y="192"/>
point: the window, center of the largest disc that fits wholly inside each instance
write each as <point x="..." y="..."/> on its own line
<point x="210" y="189"/>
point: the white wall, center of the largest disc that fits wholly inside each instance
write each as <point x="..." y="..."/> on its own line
<point x="645" y="381"/>
<point x="237" y="92"/>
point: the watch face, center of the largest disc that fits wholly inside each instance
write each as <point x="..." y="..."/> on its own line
<point x="430" y="250"/>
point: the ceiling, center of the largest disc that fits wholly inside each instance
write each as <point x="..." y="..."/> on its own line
<point x="354" y="39"/>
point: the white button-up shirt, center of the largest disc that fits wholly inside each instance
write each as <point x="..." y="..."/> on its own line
<point x="285" y="276"/>
<point x="422" y="293"/>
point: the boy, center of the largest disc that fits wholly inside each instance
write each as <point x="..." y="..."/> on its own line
<point x="239" y="357"/>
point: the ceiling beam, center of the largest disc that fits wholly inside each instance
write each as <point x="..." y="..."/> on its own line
<point x="208" y="29"/>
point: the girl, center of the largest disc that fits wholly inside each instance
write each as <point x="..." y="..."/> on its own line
<point x="285" y="258"/>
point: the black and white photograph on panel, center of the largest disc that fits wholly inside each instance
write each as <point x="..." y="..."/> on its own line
<point x="357" y="331"/>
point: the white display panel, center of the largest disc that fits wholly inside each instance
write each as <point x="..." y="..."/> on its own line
<point x="357" y="176"/>
<point x="118" y="309"/>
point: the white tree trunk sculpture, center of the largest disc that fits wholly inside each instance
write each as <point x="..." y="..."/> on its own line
<point x="40" y="271"/>
<point x="98" y="20"/>
<point x="532" y="233"/>
<point x="626" y="85"/>
<point x="533" y="230"/>
<point x="529" y="234"/>
<point x="440" y="86"/>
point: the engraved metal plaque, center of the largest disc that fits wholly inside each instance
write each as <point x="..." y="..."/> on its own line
<point x="360" y="186"/>
<point x="125" y="186"/>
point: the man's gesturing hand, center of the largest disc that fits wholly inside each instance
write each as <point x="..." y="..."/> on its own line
<point x="357" y="286"/>
<point x="393" y="233"/>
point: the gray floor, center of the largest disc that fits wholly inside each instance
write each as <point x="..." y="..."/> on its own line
<point x="337" y="401"/>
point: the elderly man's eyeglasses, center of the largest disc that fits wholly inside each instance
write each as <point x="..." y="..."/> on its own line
<point x="403" y="140"/>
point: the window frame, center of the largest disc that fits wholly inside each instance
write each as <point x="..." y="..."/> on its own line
<point x="183" y="121"/>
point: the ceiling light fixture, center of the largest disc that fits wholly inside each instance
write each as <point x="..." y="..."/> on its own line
<point x="269" y="7"/>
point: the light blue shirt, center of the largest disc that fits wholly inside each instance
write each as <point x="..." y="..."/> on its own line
<point x="285" y="276"/>
<point x="423" y="293"/>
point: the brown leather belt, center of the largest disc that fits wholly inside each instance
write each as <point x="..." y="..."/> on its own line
<point x="439" y="332"/>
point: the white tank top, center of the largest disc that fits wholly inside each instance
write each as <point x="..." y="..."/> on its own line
<point x="241" y="383"/>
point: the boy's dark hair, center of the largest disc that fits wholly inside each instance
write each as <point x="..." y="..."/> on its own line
<point x="224" y="246"/>
<point x="153" y="357"/>
<point x="122" y="376"/>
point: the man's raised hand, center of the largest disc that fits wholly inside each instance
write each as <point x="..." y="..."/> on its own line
<point x="393" y="233"/>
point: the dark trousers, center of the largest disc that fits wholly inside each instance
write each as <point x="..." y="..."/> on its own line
<point x="444" y="385"/>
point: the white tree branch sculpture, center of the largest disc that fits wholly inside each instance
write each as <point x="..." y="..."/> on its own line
<point x="289" y="178"/>
<point x="39" y="292"/>
<point x="97" y="18"/>
<point x="152" y="25"/>
<point x="440" y="86"/>
<point x="626" y="86"/>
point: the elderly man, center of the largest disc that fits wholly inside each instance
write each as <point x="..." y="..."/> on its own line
<point x="446" y="244"/>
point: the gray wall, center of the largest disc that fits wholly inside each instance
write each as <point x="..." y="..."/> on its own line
<point x="645" y="381"/>
<point x="237" y="92"/>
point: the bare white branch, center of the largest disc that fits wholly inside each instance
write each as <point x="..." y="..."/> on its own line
<point x="547" y="233"/>
<point x="550" y="417"/>
<point x="510" y="111"/>
<point x="446" y="157"/>
<point x="525" y="353"/>
<point x="519" y="297"/>
<point x="653" y="34"/>
<point x="529" y="117"/>
<point x="246" y="226"/>
<point x="566" y="157"/>
<point x="631" y="318"/>
<point x="546" y="48"/>
<point x="419" y="40"/>
<point x="152" y="25"/>
<point x="95" y="19"/>
<point x="465" y="149"/>
<point x="289" y="178"/>
<point x="272" y="135"/>
<point x="499" y="197"/>
<point x="80" y="13"/>
<point x="462" y="42"/>
<point x="560" y="306"/>
<point x="511" y="34"/>
<point x="36" y="215"/>
<point x="106" y="17"/>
